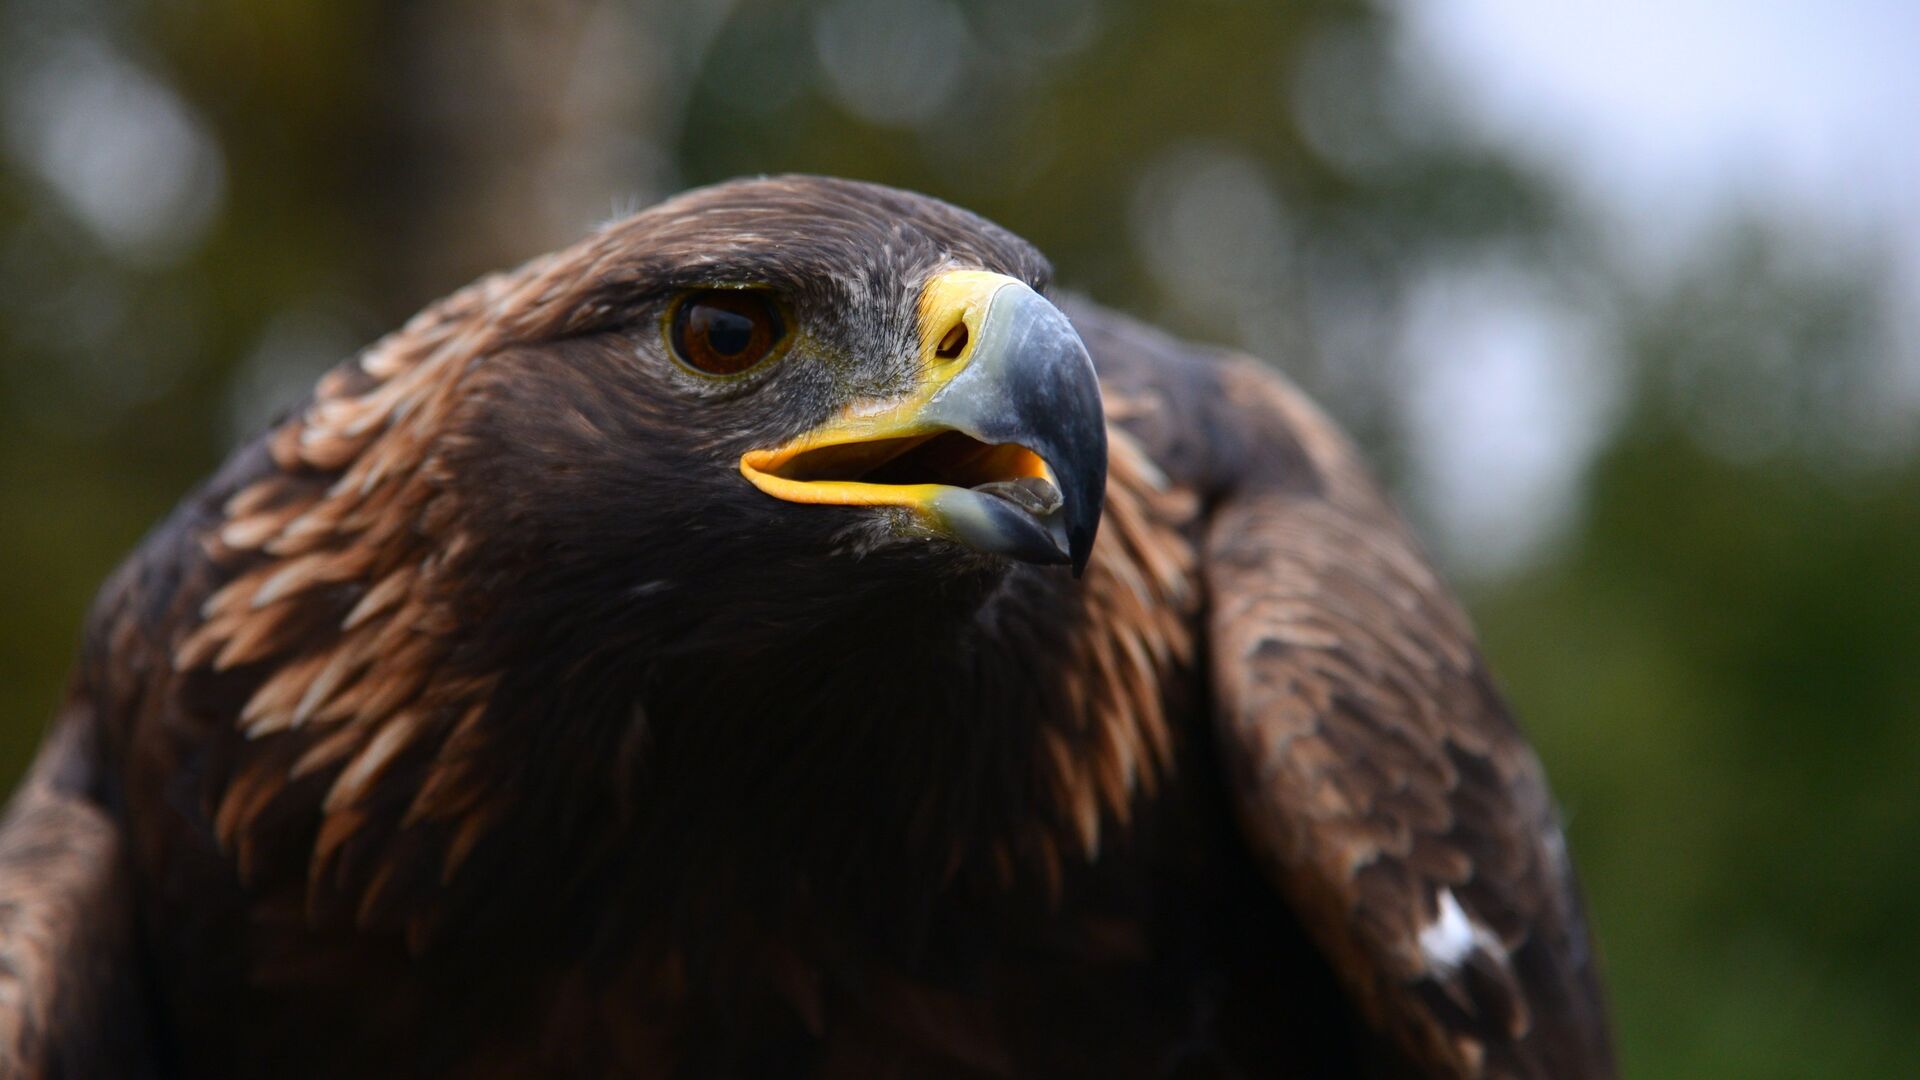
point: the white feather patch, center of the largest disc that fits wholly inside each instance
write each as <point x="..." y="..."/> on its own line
<point x="1451" y="937"/>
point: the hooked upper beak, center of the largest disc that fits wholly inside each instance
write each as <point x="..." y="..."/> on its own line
<point x="1002" y="445"/>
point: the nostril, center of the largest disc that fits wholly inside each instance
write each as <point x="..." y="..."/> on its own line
<point x="954" y="343"/>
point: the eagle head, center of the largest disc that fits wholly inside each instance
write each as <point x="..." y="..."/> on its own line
<point x="703" y="404"/>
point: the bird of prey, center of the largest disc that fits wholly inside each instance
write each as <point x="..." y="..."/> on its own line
<point x="780" y="636"/>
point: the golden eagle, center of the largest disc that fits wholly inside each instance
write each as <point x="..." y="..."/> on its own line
<point x="691" y="654"/>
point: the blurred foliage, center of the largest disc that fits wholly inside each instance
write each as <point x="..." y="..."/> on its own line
<point x="1718" y="670"/>
<point x="203" y="205"/>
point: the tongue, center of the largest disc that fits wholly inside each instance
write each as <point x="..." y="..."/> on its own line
<point x="1030" y="493"/>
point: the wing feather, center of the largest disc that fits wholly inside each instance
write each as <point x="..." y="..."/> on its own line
<point x="1376" y="772"/>
<point x="1376" y="769"/>
<point x="70" y="992"/>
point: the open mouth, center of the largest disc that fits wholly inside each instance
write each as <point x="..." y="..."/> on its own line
<point x="1000" y="443"/>
<point x="946" y="458"/>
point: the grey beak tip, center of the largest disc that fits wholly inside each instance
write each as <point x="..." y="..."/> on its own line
<point x="1082" y="551"/>
<point x="1032" y="383"/>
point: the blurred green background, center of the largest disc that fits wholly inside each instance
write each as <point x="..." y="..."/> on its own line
<point x="1660" y="432"/>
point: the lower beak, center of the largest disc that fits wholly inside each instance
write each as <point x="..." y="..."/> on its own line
<point x="1002" y="445"/>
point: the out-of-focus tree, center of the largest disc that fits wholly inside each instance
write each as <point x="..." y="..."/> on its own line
<point x="1720" y="665"/>
<point x="202" y="206"/>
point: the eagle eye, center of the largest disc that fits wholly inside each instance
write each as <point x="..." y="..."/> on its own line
<point x="725" y="331"/>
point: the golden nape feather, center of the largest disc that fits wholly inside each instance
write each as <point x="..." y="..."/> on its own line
<point x="501" y="713"/>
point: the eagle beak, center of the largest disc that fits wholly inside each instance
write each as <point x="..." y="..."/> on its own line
<point x="1002" y="445"/>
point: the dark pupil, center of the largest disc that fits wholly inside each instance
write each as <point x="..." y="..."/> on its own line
<point x="727" y="332"/>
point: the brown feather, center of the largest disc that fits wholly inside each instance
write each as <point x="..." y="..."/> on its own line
<point x="1352" y="692"/>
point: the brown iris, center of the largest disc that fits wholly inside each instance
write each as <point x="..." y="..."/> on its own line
<point x="725" y="331"/>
